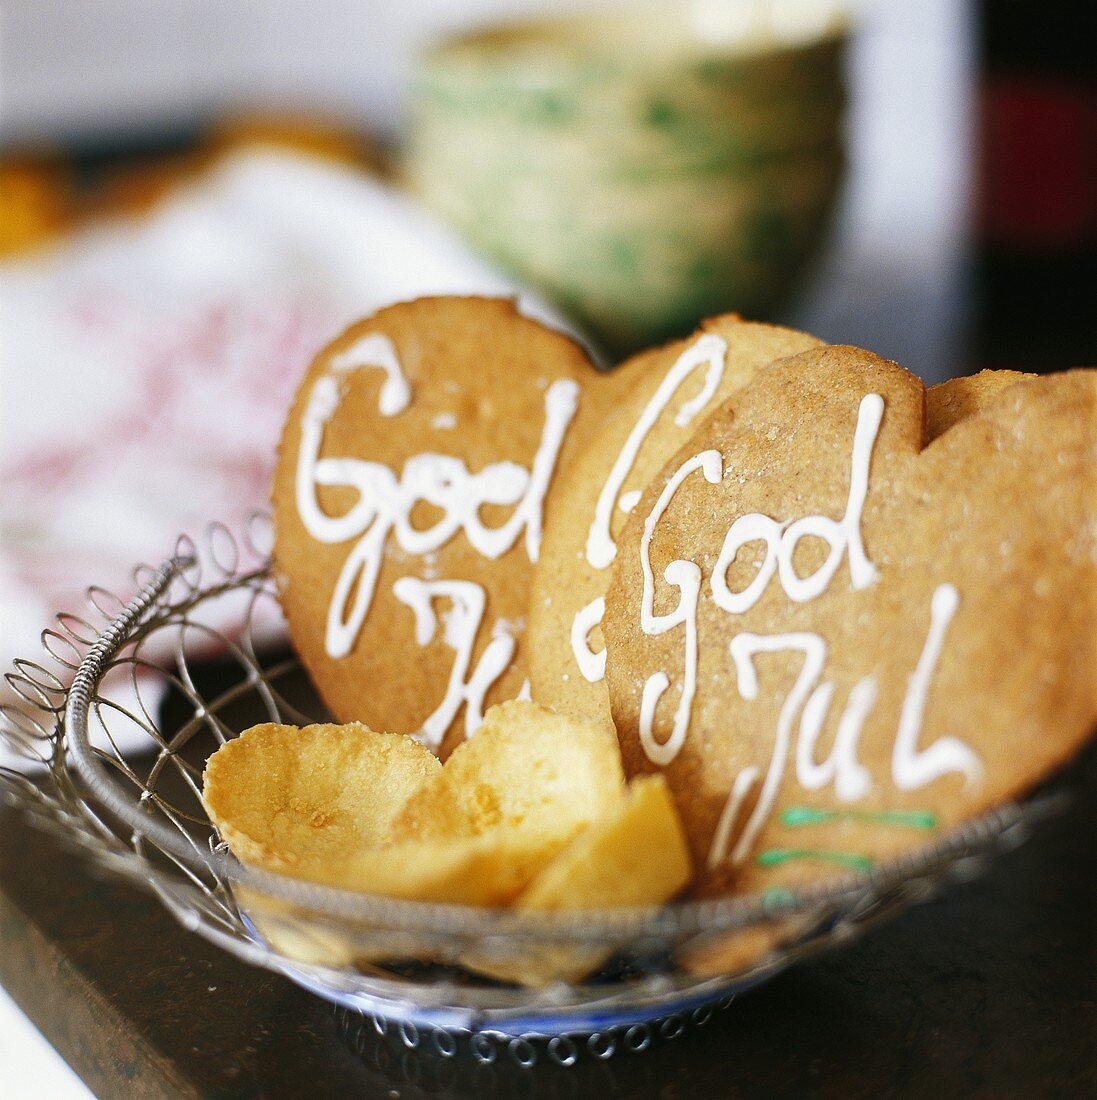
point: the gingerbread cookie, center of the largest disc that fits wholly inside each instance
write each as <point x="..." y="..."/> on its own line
<point x="838" y="641"/>
<point x="409" y="494"/>
<point x="666" y="394"/>
<point x="949" y="402"/>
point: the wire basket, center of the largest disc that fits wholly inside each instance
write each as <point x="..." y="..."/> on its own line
<point x="115" y="724"/>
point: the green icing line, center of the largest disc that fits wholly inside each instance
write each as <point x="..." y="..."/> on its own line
<point x="774" y="856"/>
<point x="775" y="896"/>
<point x="910" y="819"/>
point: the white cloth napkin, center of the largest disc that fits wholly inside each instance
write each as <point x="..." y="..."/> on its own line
<point x="147" y="364"/>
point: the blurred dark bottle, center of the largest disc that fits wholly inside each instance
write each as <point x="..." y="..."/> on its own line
<point x="1035" y="286"/>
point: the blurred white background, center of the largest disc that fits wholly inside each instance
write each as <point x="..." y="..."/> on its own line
<point x="114" y="70"/>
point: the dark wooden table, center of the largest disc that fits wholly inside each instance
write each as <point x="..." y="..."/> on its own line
<point x="991" y="990"/>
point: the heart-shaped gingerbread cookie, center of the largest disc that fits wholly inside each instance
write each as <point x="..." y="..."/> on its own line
<point x="837" y="639"/>
<point x="666" y="394"/>
<point x="408" y="498"/>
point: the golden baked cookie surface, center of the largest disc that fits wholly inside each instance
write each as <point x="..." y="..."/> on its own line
<point x="837" y="641"/>
<point x="409" y="503"/>
<point x="665" y="395"/>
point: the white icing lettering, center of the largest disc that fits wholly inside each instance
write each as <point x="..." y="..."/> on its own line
<point x="460" y="626"/>
<point x="686" y="577"/>
<point x="377" y="350"/>
<point x="740" y="788"/>
<point x="842" y="768"/>
<point x="808" y="699"/>
<point x="744" y="647"/>
<point x="591" y="665"/>
<point x="746" y="529"/>
<point x="708" y="349"/>
<point x="385" y="503"/>
<point x="842" y="536"/>
<point x="911" y="768"/>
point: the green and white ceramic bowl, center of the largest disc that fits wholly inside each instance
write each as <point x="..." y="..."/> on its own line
<point x="644" y="167"/>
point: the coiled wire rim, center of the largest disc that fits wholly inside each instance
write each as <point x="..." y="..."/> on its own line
<point x="80" y="794"/>
<point x="678" y="918"/>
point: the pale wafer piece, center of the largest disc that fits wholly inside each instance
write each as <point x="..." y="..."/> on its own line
<point x="286" y="798"/>
<point x="634" y="856"/>
<point x="959" y="646"/>
<point x="666" y="394"/>
<point x="348" y="807"/>
<point x="535" y="776"/>
<point x="318" y="803"/>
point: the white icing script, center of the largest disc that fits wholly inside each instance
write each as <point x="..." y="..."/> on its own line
<point x="708" y="350"/>
<point x="808" y="701"/>
<point x="592" y="665"/>
<point x="743" y="649"/>
<point x="781" y="539"/>
<point x="384" y="505"/>
<point x="740" y="788"/>
<point x="461" y="624"/>
<point x="686" y="577"/>
<point x="377" y="350"/>
<point x="911" y="769"/>
<point x="850" y="778"/>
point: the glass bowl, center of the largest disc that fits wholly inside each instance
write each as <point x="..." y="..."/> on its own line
<point x="111" y="729"/>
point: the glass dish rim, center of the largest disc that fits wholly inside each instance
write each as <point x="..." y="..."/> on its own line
<point x="672" y="920"/>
